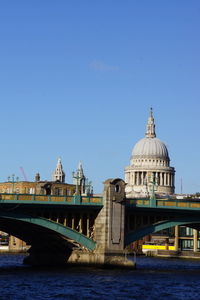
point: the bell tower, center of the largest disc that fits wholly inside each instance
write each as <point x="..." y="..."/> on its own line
<point x="58" y="174"/>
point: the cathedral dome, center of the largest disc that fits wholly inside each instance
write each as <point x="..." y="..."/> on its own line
<point x="150" y="148"/>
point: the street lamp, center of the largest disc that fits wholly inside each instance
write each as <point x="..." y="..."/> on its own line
<point x="75" y="176"/>
<point x="88" y="186"/>
<point x="13" y="181"/>
<point x="153" y="198"/>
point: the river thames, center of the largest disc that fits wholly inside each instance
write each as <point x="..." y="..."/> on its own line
<point x="154" y="278"/>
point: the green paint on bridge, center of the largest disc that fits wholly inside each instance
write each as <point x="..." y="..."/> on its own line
<point x="51" y="199"/>
<point x="177" y="204"/>
<point x="142" y="232"/>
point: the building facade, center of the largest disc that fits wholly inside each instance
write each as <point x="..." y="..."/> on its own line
<point x="149" y="170"/>
<point x="45" y="187"/>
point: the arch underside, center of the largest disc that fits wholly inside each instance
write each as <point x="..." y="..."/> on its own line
<point x="140" y="233"/>
<point x="37" y="230"/>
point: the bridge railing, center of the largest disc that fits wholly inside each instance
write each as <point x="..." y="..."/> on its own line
<point x="164" y="203"/>
<point x="75" y="199"/>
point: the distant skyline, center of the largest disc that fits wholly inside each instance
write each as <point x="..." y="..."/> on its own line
<point x="77" y="80"/>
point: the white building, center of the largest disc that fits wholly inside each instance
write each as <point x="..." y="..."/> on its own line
<point x="149" y="166"/>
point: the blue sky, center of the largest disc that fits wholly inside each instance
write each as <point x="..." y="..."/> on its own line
<point x="77" y="80"/>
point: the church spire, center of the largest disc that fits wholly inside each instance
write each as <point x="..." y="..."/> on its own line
<point x="59" y="174"/>
<point x="150" y="129"/>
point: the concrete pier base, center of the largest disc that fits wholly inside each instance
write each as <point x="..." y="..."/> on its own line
<point x="100" y="260"/>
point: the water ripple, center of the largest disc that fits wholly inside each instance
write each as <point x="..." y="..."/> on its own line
<point x="154" y="278"/>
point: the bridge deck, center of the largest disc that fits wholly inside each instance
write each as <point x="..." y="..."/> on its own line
<point x="51" y="199"/>
<point x="188" y="204"/>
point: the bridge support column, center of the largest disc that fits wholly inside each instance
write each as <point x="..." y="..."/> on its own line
<point x="81" y="223"/>
<point x="73" y="225"/>
<point x="88" y="225"/>
<point x="110" y="225"/>
<point x="176" y="238"/>
<point x="195" y="238"/>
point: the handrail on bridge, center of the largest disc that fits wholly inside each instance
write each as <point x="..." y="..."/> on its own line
<point x="75" y="199"/>
<point x="164" y="203"/>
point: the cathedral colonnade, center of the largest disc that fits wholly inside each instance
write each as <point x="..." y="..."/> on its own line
<point x="143" y="177"/>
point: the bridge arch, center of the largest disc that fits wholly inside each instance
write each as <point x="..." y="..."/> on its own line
<point x="140" y="233"/>
<point x="27" y="227"/>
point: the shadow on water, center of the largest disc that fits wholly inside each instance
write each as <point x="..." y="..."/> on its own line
<point x="14" y="262"/>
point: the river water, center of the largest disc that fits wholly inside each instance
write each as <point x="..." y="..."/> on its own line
<point x="154" y="278"/>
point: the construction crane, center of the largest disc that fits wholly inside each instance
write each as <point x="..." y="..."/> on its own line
<point x="24" y="174"/>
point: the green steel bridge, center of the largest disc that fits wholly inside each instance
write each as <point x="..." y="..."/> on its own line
<point x="56" y="223"/>
<point x="147" y="216"/>
<point x="50" y="222"/>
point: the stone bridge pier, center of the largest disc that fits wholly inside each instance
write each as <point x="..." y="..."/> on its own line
<point x="109" y="230"/>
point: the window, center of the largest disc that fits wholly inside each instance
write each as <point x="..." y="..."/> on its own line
<point x="189" y="231"/>
<point x="185" y="231"/>
<point x="187" y="244"/>
<point x="32" y="190"/>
